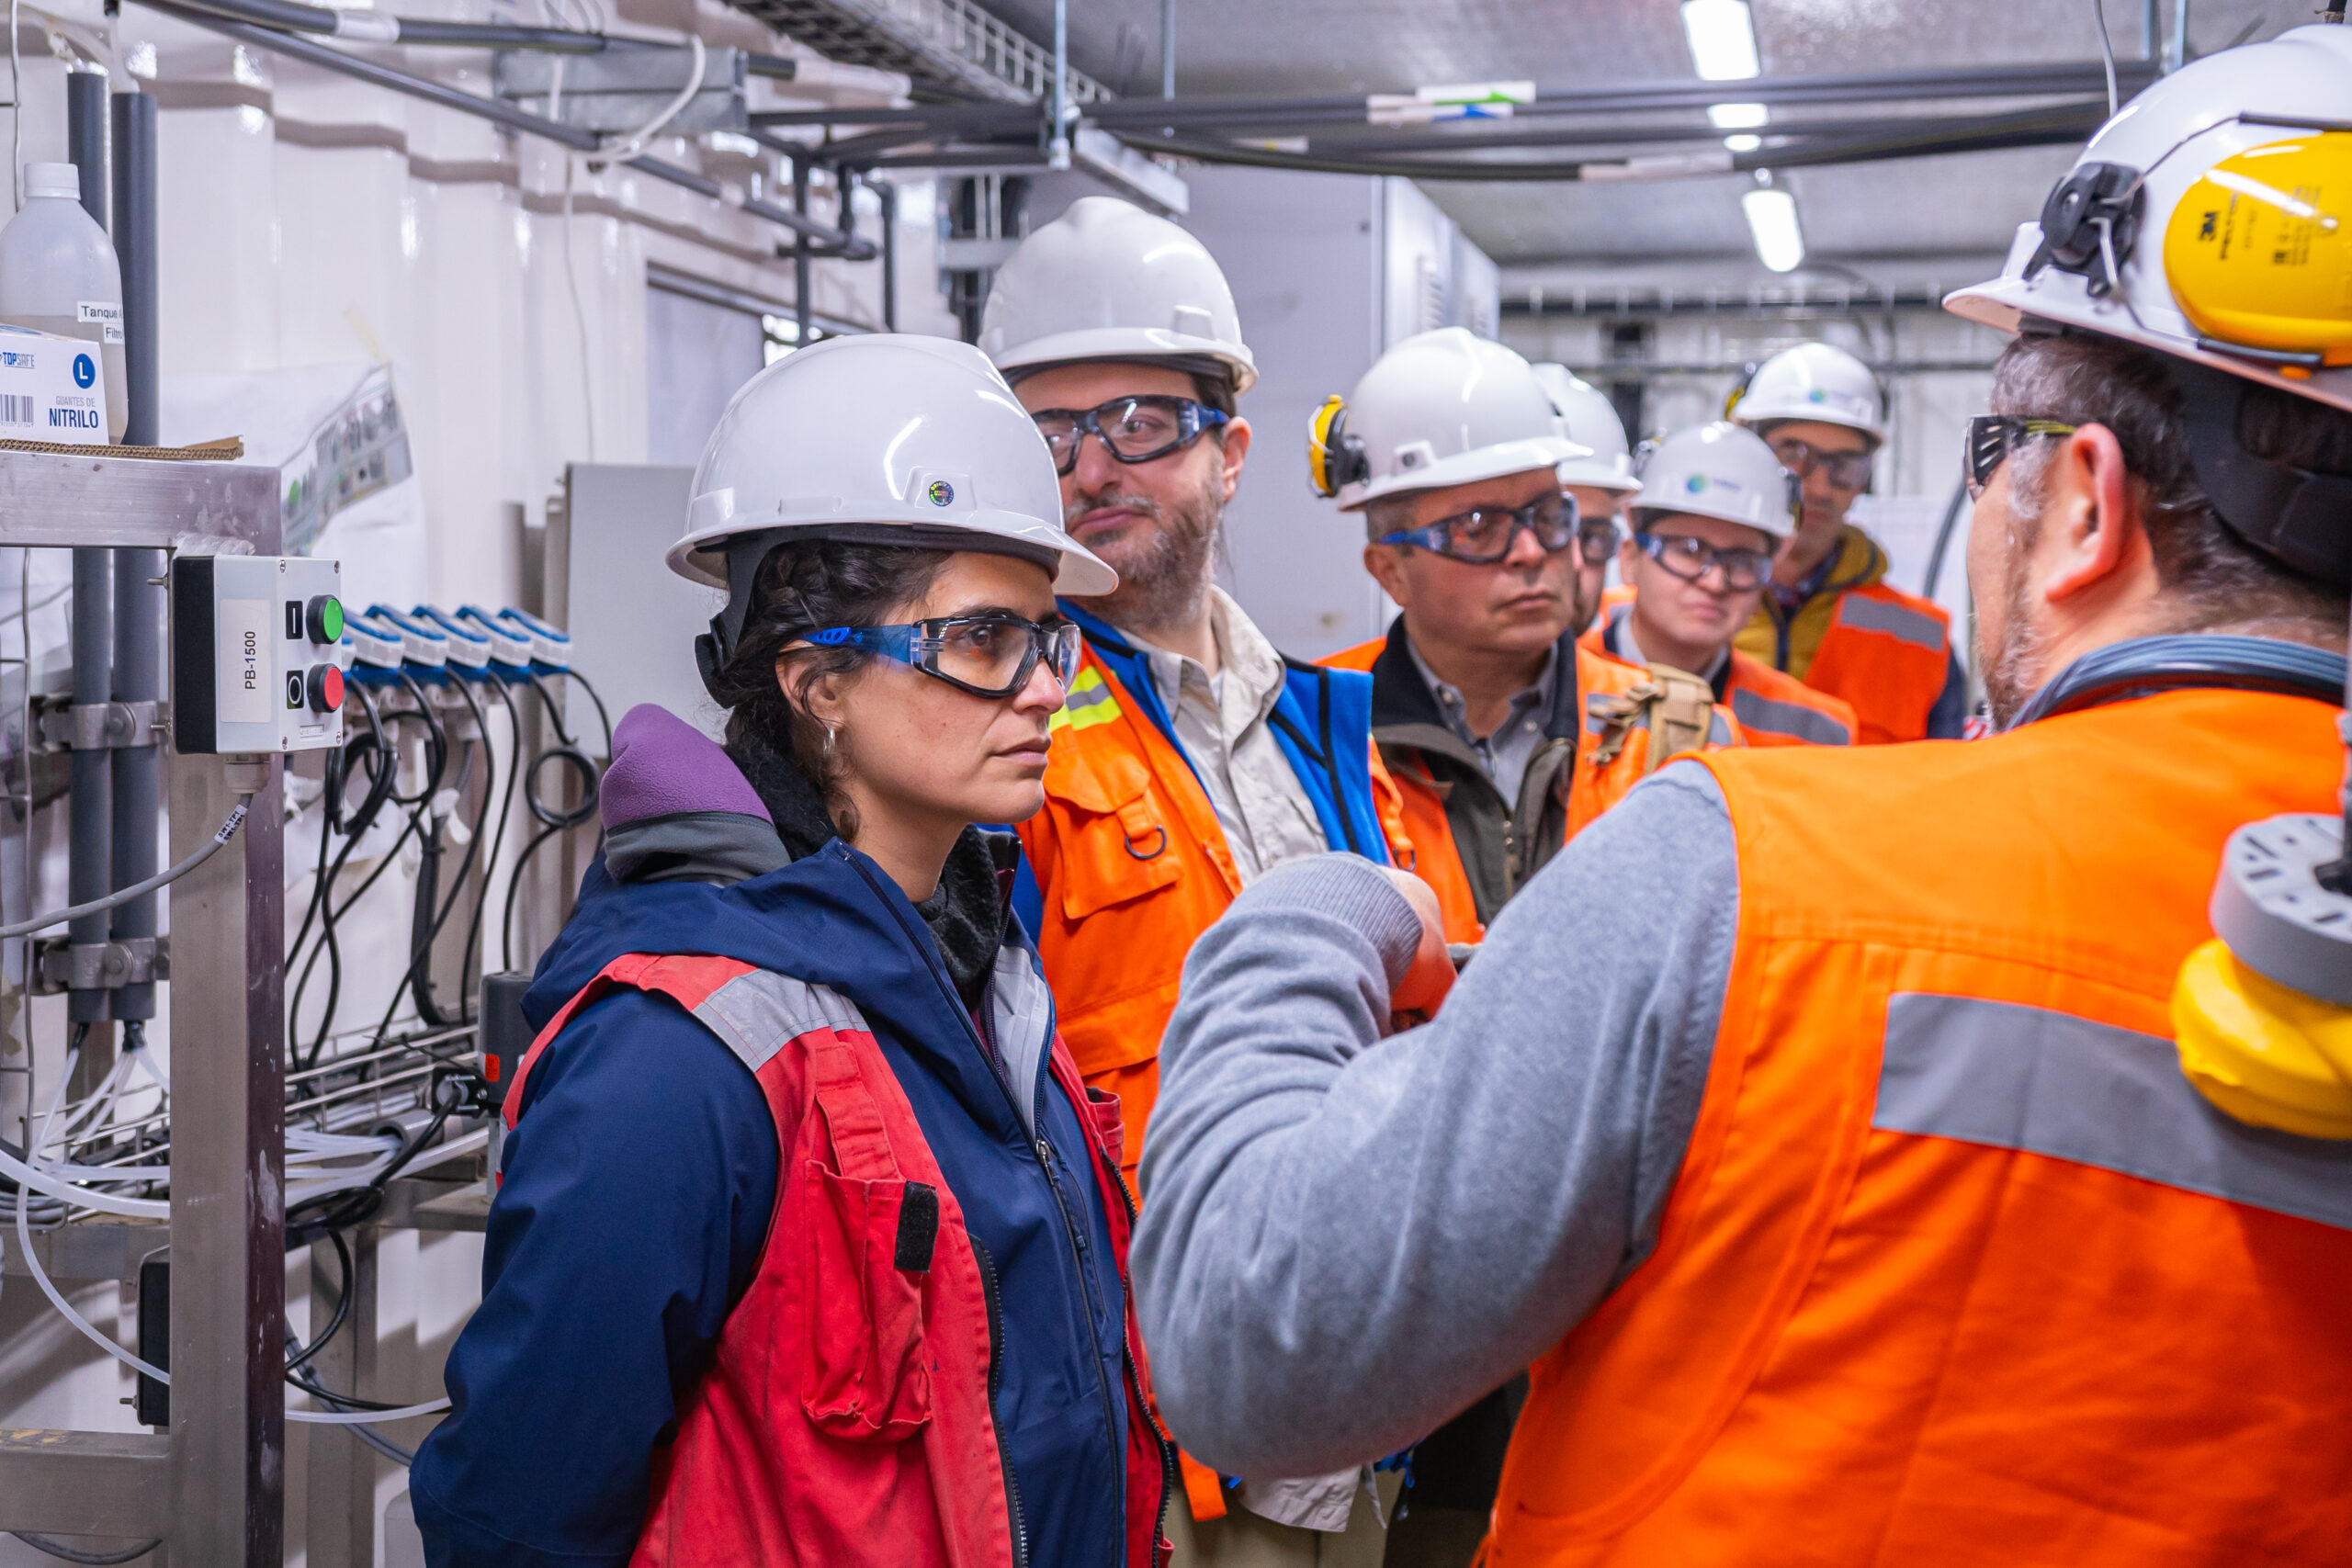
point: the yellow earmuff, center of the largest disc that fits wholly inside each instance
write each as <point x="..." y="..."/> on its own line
<point x="2258" y="251"/>
<point x="1330" y="461"/>
<point x="2260" y="1052"/>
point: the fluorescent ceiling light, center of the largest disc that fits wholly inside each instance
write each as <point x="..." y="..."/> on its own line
<point x="1737" y="116"/>
<point x="1772" y="220"/>
<point x="1722" y="39"/>
<point x="1742" y="142"/>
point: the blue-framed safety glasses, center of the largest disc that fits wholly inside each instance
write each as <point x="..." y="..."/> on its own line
<point x="988" y="655"/>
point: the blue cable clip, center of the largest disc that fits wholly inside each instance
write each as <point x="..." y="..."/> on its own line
<point x="468" y="650"/>
<point x="425" y="652"/>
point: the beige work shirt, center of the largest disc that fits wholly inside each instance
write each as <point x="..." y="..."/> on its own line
<point x="1221" y="724"/>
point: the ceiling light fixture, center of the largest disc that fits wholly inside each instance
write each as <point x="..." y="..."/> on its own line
<point x="1772" y="223"/>
<point x="1722" y="39"/>
<point x="1742" y="142"/>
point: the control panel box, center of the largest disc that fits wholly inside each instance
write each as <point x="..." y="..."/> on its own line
<point x="254" y="665"/>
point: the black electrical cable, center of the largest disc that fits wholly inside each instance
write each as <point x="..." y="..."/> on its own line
<point x="383" y="787"/>
<point x="58" y="1549"/>
<point x="602" y="717"/>
<point x="301" y="1355"/>
<point x="382" y="779"/>
<point x="418" y="979"/>
<point x="553" y="819"/>
<point x="498" y="837"/>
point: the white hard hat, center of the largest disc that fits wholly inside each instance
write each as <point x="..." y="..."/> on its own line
<point x="882" y="438"/>
<point x="1441" y="408"/>
<point x="1721" y="470"/>
<point x="1107" y="280"/>
<point x="1815" y="381"/>
<point x="2223" y="198"/>
<point x="1591" y="421"/>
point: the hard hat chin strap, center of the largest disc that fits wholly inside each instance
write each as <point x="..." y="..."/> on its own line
<point x="2302" y="516"/>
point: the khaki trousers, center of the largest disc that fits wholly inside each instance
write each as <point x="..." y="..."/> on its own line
<point x="1242" y="1539"/>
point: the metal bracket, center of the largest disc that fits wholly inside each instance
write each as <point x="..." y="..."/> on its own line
<point x="62" y="724"/>
<point x="620" y="87"/>
<point x="60" y="963"/>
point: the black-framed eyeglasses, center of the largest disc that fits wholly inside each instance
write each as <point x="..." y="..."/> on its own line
<point x="1690" y="559"/>
<point x="1485" y="535"/>
<point x="1133" y="430"/>
<point x="988" y="655"/>
<point x="1846" y="470"/>
<point x="1990" y="439"/>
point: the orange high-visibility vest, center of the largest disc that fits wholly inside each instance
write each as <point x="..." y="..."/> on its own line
<point x="1959" y="1270"/>
<point x="1886" y="652"/>
<point x="1772" y="709"/>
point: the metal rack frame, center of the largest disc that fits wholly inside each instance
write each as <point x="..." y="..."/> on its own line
<point x="212" y="1487"/>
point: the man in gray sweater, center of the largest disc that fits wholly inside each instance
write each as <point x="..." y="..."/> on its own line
<point x="1813" y="1122"/>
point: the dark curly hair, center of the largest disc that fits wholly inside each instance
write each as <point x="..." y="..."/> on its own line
<point x="802" y="587"/>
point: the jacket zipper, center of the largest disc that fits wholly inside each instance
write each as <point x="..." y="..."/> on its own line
<point x="1043" y="1151"/>
<point x="996" y="1379"/>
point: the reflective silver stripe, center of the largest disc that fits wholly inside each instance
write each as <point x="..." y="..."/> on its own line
<point x="757" y="1013"/>
<point x="2051" y="1083"/>
<point x="1084" y="696"/>
<point x="1718" y="732"/>
<point x="1915" y="626"/>
<point x="1787" y="719"/>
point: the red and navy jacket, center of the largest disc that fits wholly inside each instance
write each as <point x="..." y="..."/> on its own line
<point x="795" y="1260"/>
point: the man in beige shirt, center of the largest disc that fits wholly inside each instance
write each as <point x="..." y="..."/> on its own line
<point x="1118" y="333"/>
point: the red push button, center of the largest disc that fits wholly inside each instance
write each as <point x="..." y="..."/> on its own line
<point x="323" y="687"/>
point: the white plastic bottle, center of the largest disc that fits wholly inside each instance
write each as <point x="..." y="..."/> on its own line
<point x="58" y="274"/>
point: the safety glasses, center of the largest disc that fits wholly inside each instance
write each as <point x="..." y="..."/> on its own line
<point x="1690" y="559"/>
<point x="1846" y="470"/>
<point x="1990" y="439"/>
<point x="988" y="655"/>
<point x="1133" y="430"/>
<point x="1485" y="535"/>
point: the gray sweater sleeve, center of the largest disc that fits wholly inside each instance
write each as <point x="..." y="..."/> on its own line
<point x="1345" y="1240"/>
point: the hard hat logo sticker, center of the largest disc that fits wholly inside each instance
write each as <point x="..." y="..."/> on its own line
<point x="1695" y="483"/>
<point x="85" y="370"/>
<point x="941" y="493"/>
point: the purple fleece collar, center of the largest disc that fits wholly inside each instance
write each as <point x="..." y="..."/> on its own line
<point x="663" y="765"/>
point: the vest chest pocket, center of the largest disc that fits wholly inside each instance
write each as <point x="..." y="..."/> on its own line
<point x="1115" y="831"/>
<point x="869" y="1238"/>
<point x="869" y="1249"/>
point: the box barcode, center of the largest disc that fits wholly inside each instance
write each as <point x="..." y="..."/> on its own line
<point x="14" y="409"/>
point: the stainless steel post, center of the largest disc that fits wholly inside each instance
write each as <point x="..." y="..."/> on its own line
<point x="228" y="1176"/>
<point x="339" y="1526"/>
<point x="1057" y="146"/>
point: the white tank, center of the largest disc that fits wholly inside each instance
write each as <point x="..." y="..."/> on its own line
<point x="58" y="274"/>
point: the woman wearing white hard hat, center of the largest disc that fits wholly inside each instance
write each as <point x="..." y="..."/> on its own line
<point x="1714" y="507"/>
<point x="811" y="1244"/>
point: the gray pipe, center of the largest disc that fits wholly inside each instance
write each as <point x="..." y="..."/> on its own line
<point x="803" y="308"/>
<point x="1057" y="145"/>
<point x="90" y="806"/>
<point x="889" y="194"/>
<point x="2176" y="46"/>
<point x="138" y="600"/>
<point x="1166" y="48"/>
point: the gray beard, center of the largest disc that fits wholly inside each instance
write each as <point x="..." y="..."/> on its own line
<point x="1162" y="584"/>
<point x="2013" y="672"/>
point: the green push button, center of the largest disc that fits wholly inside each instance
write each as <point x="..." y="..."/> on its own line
<point x="323" y="618"/>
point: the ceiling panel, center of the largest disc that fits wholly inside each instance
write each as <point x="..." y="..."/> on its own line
<point x="1966" y="203"/>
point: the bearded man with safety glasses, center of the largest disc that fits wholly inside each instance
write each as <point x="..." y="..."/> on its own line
<point x="1192" y="756"/>
<point x="1830" y="618"/>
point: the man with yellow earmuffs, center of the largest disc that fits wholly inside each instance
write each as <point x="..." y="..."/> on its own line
<point x="1873" y="1150"/>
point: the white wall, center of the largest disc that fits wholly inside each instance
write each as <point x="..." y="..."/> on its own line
<point x="309" y="221"/>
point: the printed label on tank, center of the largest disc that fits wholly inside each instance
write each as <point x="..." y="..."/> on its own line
<point x="246" y="649"/>
<point x="108" y="317"/>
